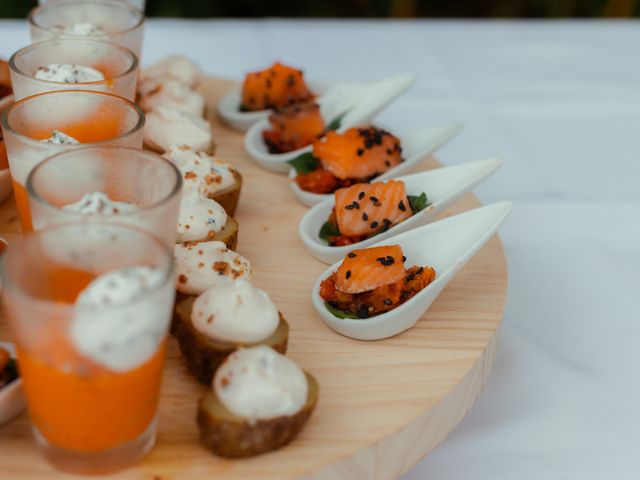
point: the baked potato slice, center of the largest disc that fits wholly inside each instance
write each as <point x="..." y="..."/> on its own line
<point x="232" y="436"/>
<point x="229" y="197"/>
<point x="204" y="355"/>
<point x="228" y="235"/>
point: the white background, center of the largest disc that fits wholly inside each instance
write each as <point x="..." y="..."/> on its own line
<point x="559" y="102"/>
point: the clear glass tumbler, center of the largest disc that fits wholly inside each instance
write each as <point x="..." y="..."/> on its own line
<point x="91" y="370"/>
<point x="144" y="179"/>
<point x="92" y="118"/>
<point x="116" y="22"/>
<point x="118" y="64"/>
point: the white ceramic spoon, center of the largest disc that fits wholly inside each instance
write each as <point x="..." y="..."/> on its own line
<point x="229" y="107"/>
<point x="445" y="245"/>
<point x="443" y="186"/>
<point x="357" y="104"/>
<point x="12" y="400"/>
<point x="416" y="144"/>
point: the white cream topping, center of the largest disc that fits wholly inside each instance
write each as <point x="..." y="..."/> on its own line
<point x="68" y="73"/>
<point x="176" y="67"/>
<point x="203" y="265"/>
<point x="167" y="126"/>
<point x="172" y="94"/>
<point x="98" y="203"/>
<point x="235" y="311"/>
<point x="259" y="383"/>
<point x="201" y="172"/>
<point x="60" y="138"/>
<point x="200" y="218"/>
<point x="81" y="28"/>
<point x="121" y="317"/>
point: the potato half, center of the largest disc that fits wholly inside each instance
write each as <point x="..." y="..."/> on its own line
<point x="230" y="196"/>
<point x="204" y="355"/>
<point x="229" y="435"/>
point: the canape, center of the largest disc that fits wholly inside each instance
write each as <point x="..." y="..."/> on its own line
<point x="211" y="177"/>
<point x="176" y="67"/>
<point x="294" y="127"/>
<point x="275" y="87"/>
<point x="259" y="401"/>
<point x="365" y="210"/>
<point x="372" y="281"/>
<point x="170" y="93"/>
<point x="168" y="126"/>
<point x="202" y="219"/>
<point x="340" y="160"/>
<point x="229" y="315"/>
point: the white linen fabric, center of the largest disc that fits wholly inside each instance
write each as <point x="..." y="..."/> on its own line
<point x="559" y="102"/>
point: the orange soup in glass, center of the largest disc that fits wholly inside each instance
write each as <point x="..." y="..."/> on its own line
<point x="38" y="127"/>
<point x="90" y="334"/>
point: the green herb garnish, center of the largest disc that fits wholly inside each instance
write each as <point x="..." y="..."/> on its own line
<point x="336" y="312"/>
<point x="304" y="163"/>
<point x="336" y="123"/>
<point x="328" y="230"/>
<point x="418" y="202"/>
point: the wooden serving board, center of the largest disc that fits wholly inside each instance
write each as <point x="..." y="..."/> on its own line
<point x="383" y="404"/>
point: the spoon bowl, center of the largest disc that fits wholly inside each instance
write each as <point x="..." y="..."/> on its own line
<point x="443" y="186"/>
<point x="356" y="104"/>
<point x="416" y="144"/>
<point x="446" y="245"/>
<point x="229" y="107"/>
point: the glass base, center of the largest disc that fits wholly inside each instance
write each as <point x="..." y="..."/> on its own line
<point x="94" y="463"/>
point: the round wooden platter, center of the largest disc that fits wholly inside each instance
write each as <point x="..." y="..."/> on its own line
<point x="383" y="405"/>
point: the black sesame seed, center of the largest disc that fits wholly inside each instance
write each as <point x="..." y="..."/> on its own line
<point x="402" y="206"/>
<point x="404" y="259"/>
<point x="387" y="163"/>
<point x="365" y="217"/>
<point x="356" y="205"/>
<point x="410" y="277"/>
<point x="351" y="255"/>
<point x="375" y="201"/>
<point x="420" y="270"/>
<point x="348" y="274"/>
<point x="349" y="207"/>
<point x="387" y="301"/>
<point x="374" y="224"/>
<point x="389" y="151"/>
<point x="360" y="195"/>
<point x="360" y="152"/>
<point x="386" y="222"/>
<point x="363" y="311"/>
<point x="390" y="259"/>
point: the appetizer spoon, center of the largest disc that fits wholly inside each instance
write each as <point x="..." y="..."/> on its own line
<point x="416" y="144"/>
<point x="12" y="400"/>
<point x="352" y="104"/>
<point x="442" y="186"/>
<point x="229" y="107"/>
<point x="445" y="245"/>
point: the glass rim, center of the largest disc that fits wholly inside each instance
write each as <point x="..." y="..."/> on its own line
<point x="177" y="188"/>
<point x="9" y="284"/>
<point x="4" y="119"/>
<point x="132" y="68"/>
<point x="121" y="5"/>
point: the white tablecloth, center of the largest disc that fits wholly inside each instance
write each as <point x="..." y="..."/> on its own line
<point x="560" y="103"/>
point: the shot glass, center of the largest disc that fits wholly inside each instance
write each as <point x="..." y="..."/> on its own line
<point x="145" y="181"/>
<point x="118" y="64"/>
<point x="91" y="365"/>
<point x="113" y="21"/>
<point x="92" y="118"/>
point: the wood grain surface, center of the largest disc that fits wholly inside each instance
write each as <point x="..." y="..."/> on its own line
<point x="383" y="405"/>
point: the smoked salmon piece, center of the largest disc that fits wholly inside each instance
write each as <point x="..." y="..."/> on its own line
<point x="366" y="208"/>
<point x="369" y="268"/>
<point x="358" y="153"/>
<point x="294" y="127"/>
<point x="373" y="281"/>
<point x="276" y="87"/>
